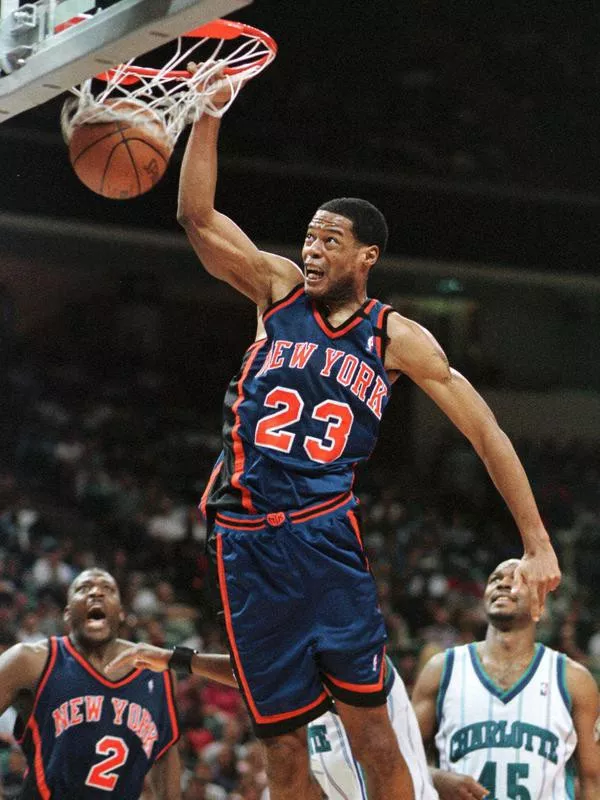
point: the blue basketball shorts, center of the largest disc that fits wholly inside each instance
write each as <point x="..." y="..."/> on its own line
<point x="301" y="612"/>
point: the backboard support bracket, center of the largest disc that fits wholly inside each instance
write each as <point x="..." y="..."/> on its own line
<point x="41" y="64"/>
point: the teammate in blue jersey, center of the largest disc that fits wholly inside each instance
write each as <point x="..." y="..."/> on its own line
<point x="510" y="717"/>
<point x="299" y="602"/>
<point x="85" y="734"/>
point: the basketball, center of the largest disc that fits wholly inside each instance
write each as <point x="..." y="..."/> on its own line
<point x="122" y="151"/>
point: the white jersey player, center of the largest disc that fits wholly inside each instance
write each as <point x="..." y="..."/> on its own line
<point x="508" y="713"/>
<point x="515" y="740"/>
<point x="333" y="764"/>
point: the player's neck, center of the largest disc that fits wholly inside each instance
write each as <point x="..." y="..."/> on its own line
<point x="514" y="645"/>
<point x="337" y="311"/>
<point x="98" y="654"/>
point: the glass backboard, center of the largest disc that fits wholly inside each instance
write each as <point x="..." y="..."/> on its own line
<point x="42" y="55"/>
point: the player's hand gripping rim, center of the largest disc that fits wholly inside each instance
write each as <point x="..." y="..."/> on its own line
<point x="218" y="89"/>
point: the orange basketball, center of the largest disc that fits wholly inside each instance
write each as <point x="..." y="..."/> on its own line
<point x="121" y="153"/>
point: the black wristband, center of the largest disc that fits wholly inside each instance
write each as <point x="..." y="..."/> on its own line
<point x="181" y="659"/>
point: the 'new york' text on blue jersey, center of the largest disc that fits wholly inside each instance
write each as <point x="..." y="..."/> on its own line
<point x="88" y="736"/>
<point x="304" y="409"/>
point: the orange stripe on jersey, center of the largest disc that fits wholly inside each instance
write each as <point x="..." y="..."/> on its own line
<point x="38" y="761"/>
<point x="211" y="482"/>
<point x="238" y="448"/>
<point x="322" y="508"/>
<point x="258" y="717"/>
<point x="172" y="712"/>
<point x="44" y="680"/>
<point x="239" y="523"/>
<point x="94" y="673"/>
<point x="286" y="301"/>
<point x="335" y="334"/>
<point x="362" y="688"/>
<point x="379" y="323"/>
<point x="356" y="528"/>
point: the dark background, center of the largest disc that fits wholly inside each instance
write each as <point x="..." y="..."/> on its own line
<point x="474" y="128"/>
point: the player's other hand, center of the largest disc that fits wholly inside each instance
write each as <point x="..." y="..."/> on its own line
<point x="541" y="573"/>
<point x="141" y="656"/>
<point x="452" y="786"/>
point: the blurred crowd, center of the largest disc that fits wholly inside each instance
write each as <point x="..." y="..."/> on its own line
<point x="104" y="467"/>
<point x="503" y="95"/>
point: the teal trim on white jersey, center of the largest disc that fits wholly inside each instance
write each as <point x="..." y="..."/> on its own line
<point x="445" y="680"/>
<point x="517" y="742"/>
<point x="561" y="670"/>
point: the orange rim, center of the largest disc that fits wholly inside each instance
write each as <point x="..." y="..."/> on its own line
<point x="217" y="29"/>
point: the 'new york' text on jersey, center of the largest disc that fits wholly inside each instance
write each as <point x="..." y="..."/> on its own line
<point x="304" y="409"/>
<point x="89" y="736"/>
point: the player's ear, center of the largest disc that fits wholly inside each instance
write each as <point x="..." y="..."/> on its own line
<point x="370" y="255"/>
<point x="67" y="615"/>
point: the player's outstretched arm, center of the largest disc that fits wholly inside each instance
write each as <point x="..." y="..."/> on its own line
<point x="414" y="351"/>
<point x="213" y="666"/>
<point x="449" y="785"/>
<point x="223" y="248"/>
<point x="586" y="709"/>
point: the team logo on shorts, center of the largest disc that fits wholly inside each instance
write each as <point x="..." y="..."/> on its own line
<point x="544" y="689"/>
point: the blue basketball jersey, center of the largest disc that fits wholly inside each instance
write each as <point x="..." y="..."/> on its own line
<point x="304" y="409"/>
<point x="88" y="736"/>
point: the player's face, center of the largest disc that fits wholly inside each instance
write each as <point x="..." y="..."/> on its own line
<point x="502" y="607"/>
<point x="332" y="257"/>
<point x="93" y="609"/>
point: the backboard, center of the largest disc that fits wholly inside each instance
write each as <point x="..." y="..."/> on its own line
<point x="41" y="55"/>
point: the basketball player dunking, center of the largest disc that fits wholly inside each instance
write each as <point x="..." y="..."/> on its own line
<point x="299" y="602"/>
<point x="87" y="735"/>
<point x="508" y="713"/>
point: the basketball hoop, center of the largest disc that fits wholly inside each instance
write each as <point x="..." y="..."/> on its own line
<point x="227" y="53"/>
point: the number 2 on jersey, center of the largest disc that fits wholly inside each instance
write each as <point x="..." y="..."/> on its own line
<point x="272" y="432"/>
<point x="102" y="775"/>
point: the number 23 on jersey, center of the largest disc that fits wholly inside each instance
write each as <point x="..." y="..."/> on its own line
<point x="275" y="430"/>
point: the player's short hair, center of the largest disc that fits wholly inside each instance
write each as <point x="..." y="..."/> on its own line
<point x="368" y="223"/>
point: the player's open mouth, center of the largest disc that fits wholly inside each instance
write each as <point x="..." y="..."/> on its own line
<point x="313" y="274"/>
<point x="503" y="596"/>
<point x="96" y="618"/>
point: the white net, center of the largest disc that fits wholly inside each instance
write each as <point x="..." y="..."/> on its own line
<point x="225" y="56"/>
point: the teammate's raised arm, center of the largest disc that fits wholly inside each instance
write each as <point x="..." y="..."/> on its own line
<point x="223" y="248"/>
